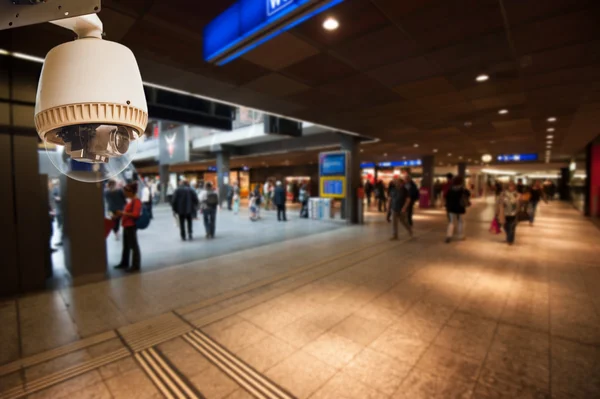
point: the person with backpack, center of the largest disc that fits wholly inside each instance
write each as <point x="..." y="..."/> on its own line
<point x="129" y="216"/>
<point x="413" y="193"/>
<point x="398" y="204"/>
<point x="209" y="200"/>
<point x="458" y="199"/>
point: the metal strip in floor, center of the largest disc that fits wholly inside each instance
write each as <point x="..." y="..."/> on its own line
<point x="165" y="377"/>
<point x="247" y="377"/>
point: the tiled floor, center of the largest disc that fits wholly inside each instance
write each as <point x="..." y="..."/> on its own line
<point x="341" y="314"/>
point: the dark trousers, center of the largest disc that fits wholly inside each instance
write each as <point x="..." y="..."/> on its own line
<point x="304" y="209"/>
<point x="510" y="226"/>
<point x="130" y="243"/>
<point x="210" y="221"/>
<point x="532" y="211"/>
<point x="148" y="206"/>
<point x="183" y="219"/>
<point x="381" y="205"/>
<point x="281" y="213"/>
<point x="409" y="214"/>
<point x="229" y="203"/>
<point x="116" y="225"/>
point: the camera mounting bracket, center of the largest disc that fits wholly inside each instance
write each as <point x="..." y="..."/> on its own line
<point x="18" y="13"/>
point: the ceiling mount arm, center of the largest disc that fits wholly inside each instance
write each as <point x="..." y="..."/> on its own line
<point x="84" y="26"/>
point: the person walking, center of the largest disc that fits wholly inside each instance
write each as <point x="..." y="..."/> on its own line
<point x="229" y="191"/>
<point x="147" y="198"/>
<point x="128" y="216"/>
<point x="507" y="210"/>
<point x="236" y="198"/>
<point x="185" y="205"/>
<point x="457" y="202"/>
<point x="279" y="199"/>
<point x="536" y="195"/>
<point x="303" y="198"/>
<point x="380" y="196"/>
<point x="368" y="192"/>
<point x="209" y="200"/>
<point x="115" y="201"/>
<point x="399" y="204"/>
<point x="267" y="194"/>
<point x="413" y="193"/>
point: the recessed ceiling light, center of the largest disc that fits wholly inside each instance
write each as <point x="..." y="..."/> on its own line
<point x="468" y="123"/>
<point x="416" y="146"/>
<point x="435" y="150"/>
<point x="469" y="159"/>
<point x="503" y="112"/>
<point x="459" y="157"/>
<point x="331" y="24"/>
<point x="385" y="155"/>
<point x="403" y="157"/>
<point x="449" y="154"/>
<point x="550" y="129"/>
<point x="551" y="119"/>
<point x="549" y="136"/>
<point x="361" y="150"/>
<point x="482" y="78"/>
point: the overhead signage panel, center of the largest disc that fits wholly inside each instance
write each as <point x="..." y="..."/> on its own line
<point x="518" y="158"/>
<point x="250" y="23"/>
<point x="333" y="164"/>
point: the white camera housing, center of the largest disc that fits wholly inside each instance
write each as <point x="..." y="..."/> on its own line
<point x="90" y="97"/>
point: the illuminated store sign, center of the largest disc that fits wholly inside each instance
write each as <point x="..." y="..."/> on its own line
<point x="391" y="164"/>
<point x="517" y="158"/>
<point x="249" y="23"/>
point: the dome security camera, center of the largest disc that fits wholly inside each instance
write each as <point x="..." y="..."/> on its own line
<point x="90" y="100"/>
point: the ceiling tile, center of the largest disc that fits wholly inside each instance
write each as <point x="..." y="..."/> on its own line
<point x="426" y="87"/>
<point x="404" y="71"/>
<point x="319" y="69"/>
<point x="280" y="52"/>
<point x="276" y="84"/>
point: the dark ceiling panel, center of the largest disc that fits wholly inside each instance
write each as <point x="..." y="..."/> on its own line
<point x="376" y="48"/>
<point x="404" y="71"/>
<point x="319" y="69"/>
<point x="239" y="72"/>
<point x="357" y="16"/>
<point x="426" y="87"/>
<point x="276" y="84"/>
<point x="280" y="52"/>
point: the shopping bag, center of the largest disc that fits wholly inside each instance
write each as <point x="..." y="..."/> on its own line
<point x="495" y="226"/>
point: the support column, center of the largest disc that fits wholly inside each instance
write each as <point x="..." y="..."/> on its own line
<point x="462" y="169"/>
<point x="428" y="165"/>
<point x="84" y="243"/>
<point x="350" y="144"/>
<point x="563" y="184"/>
<point x="163" y="171"/>
<point x="222" y="174"/>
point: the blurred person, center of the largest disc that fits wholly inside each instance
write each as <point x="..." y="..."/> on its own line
<point x="413" y="193"/>
<point x="58" y="213"/>
<point x="457" y="202"/>
<point x="280" y="199"/>
<point x="229" y="196"/>
<point x="446" y="187"/>
<point x="115" y="202"/>
<point x="146" y="197"/>
<point x="507" y="209"/>
<point x="170" y="190"/>
<point x="380" y="196"/>
<point x="368" y="192"/>
<point x="209" y="200"/>
<point x="303" y="198"/>
<point x="437" y="192"/>
<point x="185" y="206"/>
<point x="399" y="204"/>
<point x="536" y="195"/>
<point x="520" y="186"/>
<point x="257" y="200"/>
<point x="266" y="194"/>
<point x="236" y="198"/>
<point x="129" y="215"/>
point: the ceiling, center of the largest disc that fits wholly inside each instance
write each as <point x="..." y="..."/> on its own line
<point x="401" y="71"/>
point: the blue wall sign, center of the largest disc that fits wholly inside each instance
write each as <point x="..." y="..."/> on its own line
<point x="246" y="19"/>
<point x="332" y="164"/>
<point x="333" y="187"/>
<point x="518" y="158"/>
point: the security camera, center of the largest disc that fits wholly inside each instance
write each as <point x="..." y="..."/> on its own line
<point x="90" y="96"/>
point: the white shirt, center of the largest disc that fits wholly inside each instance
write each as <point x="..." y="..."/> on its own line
<point x="145" y="194"/>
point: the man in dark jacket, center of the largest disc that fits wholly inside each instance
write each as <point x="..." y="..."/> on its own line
<point x="279" y="199"/>
<point x="399" y="204"/>
<point x="413" y="193"/>
<point x="185" y="205"/>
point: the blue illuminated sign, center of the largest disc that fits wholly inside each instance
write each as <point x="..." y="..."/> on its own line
<point x="246" y="19"/>
<point x="518" y="158"/>
<point x="274" y="6"/>
<point x="333" y="164"/>
<point x="399" y="164"/>
<point x="333" y="187"/>
<point x="366" y="165"/>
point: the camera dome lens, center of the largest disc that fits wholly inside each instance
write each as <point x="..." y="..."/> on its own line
<point x="107" y="167"/>
<point x="120" y="140"/>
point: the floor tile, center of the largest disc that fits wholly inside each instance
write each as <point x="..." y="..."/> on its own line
<point x="301" y="374"/>
<point x="343" y="386"/>
<point x="214" y="384"/>
<point x="133" y="384"/>
<point x="69" y="388"/>
<point x="333" y="349"/>
<point x="397" y="345"/>
<point x="359" y="329"/>
<point x="266" y="353"/>
<point x="378" y="371"/>
<point x="421" y="384"/>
